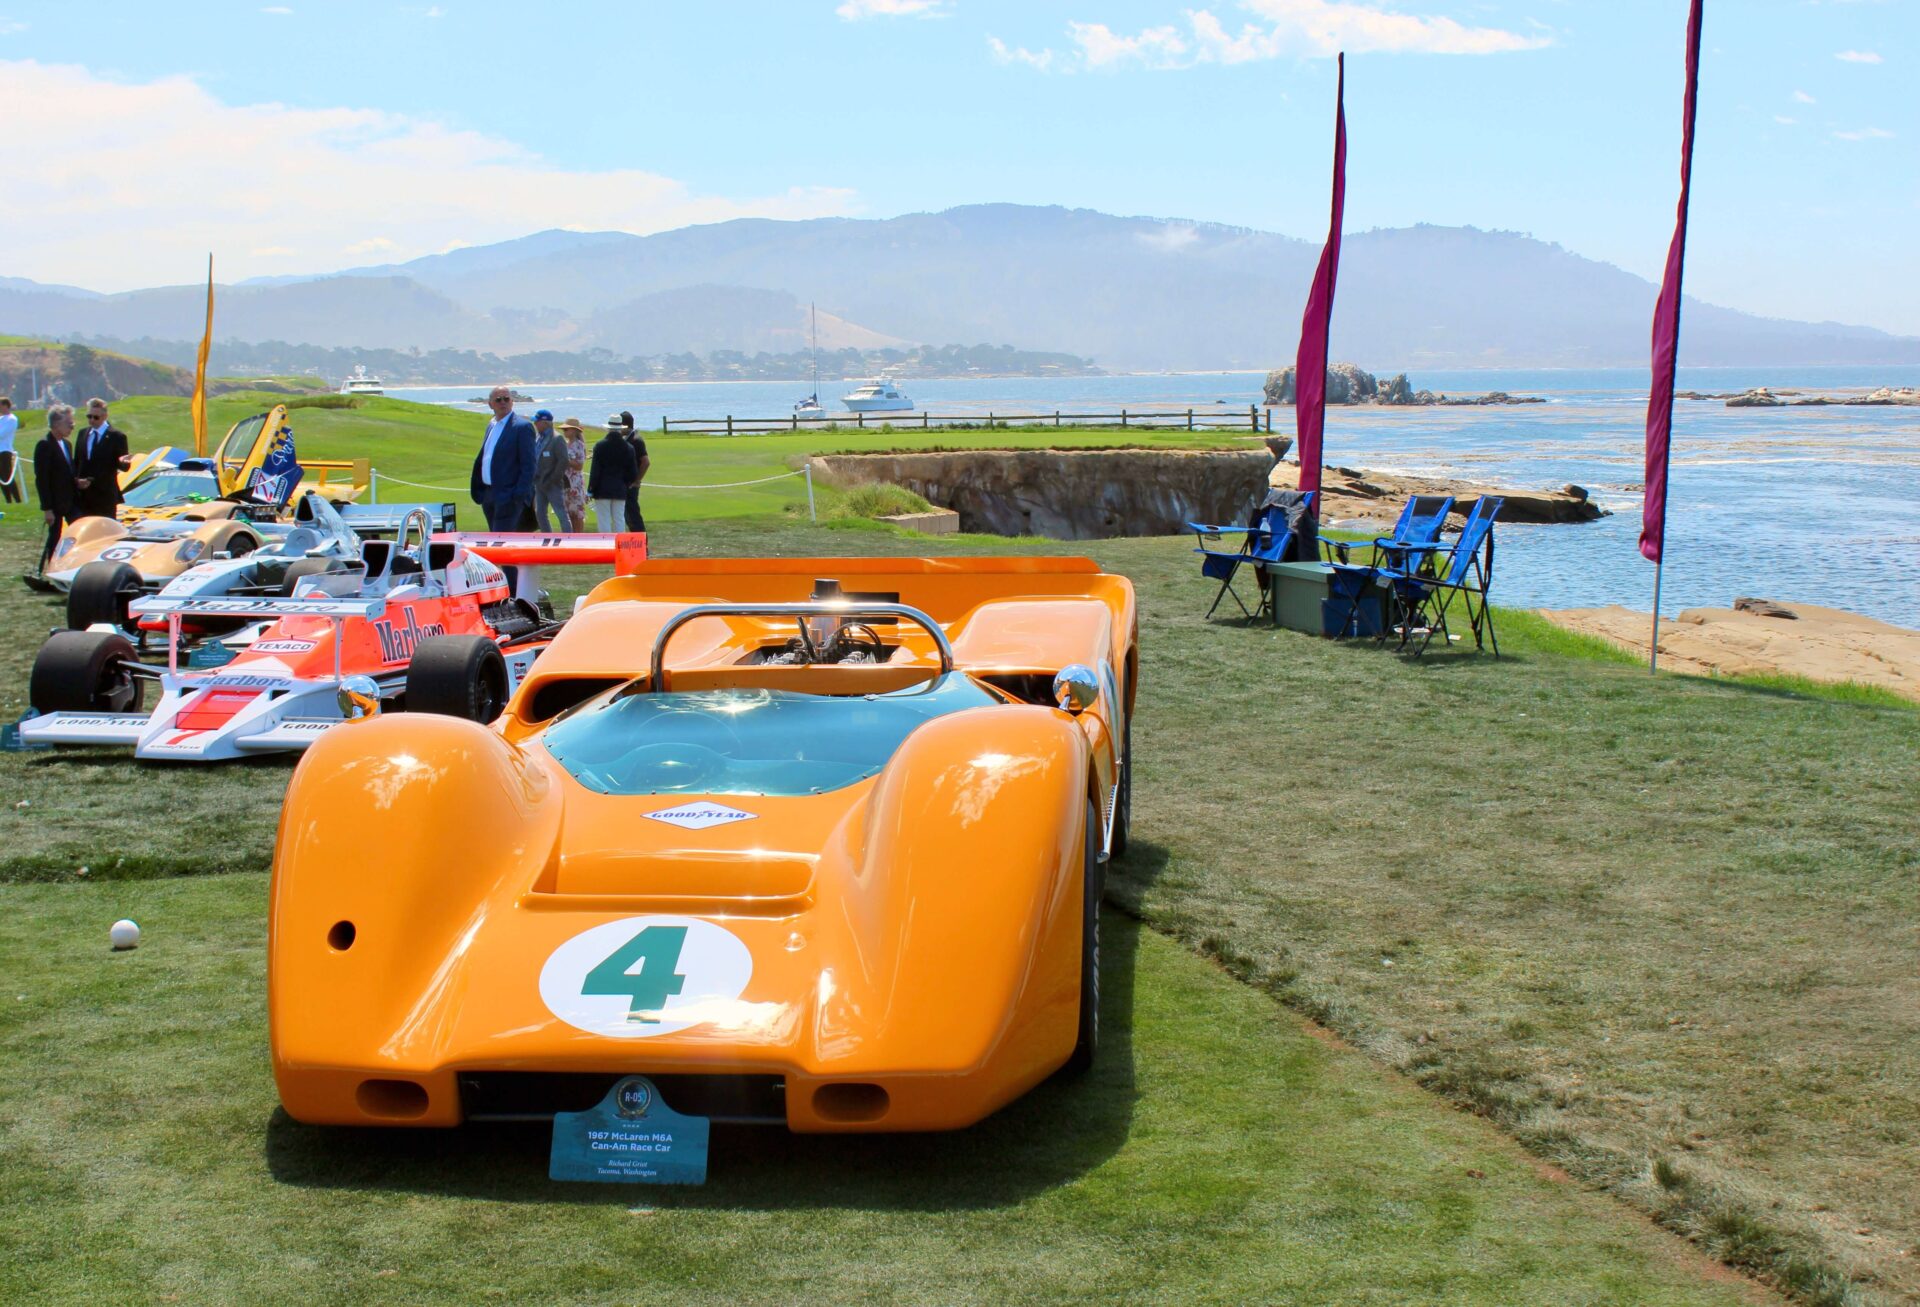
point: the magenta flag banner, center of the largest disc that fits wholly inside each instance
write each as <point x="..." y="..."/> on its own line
<point x="1310" y="364"/>
<point x="1666" y="323"/>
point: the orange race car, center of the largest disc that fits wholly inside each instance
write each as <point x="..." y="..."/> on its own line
<point x="825" y="853"/>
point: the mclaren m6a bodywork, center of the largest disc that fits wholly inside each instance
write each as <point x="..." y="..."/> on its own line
<point x="818" y="842"/>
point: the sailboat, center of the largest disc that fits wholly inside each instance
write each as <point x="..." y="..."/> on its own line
<point x="810" y="409"/>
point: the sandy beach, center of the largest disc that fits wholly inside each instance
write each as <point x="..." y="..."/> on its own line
<point x="1821" y="644"/>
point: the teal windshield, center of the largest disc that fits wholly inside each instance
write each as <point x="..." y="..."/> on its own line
<point x="173" y="488"/>
<point x="776" y="742"/>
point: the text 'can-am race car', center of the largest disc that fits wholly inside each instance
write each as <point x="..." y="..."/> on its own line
<point x="820" y="853"/>
<point x="434" y="627"/>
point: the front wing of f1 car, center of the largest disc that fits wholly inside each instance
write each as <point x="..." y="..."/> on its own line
<point x="853" y="893"/>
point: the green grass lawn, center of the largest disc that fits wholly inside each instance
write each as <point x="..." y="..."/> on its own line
<point x="1660" y="930"/>
<point x="1219" y="1153"/>
<point x="435" y="446"/>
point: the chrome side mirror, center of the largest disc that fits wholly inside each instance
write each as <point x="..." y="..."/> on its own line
<point x="1076" y="688"/>
<point x="359" y="698"/>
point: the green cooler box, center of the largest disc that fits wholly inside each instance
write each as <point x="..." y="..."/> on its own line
<point x="1311" y="597"/>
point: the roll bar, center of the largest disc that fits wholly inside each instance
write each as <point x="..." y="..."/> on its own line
<point x="850" y="609"/>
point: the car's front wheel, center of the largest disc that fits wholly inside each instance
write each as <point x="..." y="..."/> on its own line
<point x="1092" y="889"/>
<point x="84" y="671"/>
<point x="102" y="592"/>
<point x="458" y="676"/>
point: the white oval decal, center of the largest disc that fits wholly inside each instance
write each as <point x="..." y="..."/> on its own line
<point x="643" y="976"/>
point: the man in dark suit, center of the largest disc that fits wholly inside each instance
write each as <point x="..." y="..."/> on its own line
<point x="100" y="456"/>
<point x="503" y="469"/>
<point x="53" y="468"/>
<point x="638" y="444"/>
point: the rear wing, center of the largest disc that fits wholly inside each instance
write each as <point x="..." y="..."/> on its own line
<point x="264" y="608"/>
<point x="627" y="551"/>
<point x="386" y="519"/>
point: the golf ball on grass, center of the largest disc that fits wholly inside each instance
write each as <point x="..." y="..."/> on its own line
<point x="124" y="934"/>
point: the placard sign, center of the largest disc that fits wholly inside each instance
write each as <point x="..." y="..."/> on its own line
<point x="631" y="1137"/>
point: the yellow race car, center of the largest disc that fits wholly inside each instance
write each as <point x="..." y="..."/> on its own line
<point x="815" y="842"/>
<point x="171" y="483"/>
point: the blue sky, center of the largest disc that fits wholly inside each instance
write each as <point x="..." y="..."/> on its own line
<point x="309" y="136"/>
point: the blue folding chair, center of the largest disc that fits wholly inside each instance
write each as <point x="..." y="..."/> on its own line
<point x="1265" y="541"/>
<point x="1424" y="585"/>
<point x="1418" y="525"/>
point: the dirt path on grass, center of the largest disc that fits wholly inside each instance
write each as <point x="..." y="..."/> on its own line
<point x="1821" y="644"/>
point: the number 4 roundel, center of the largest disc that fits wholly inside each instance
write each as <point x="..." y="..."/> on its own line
<point x="643" y="976"/>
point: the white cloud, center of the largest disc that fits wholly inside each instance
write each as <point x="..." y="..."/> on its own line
<point x="1101" y="47"/>
<point x="1297" y="28"/>
<point x="1801" y="97"/>
<point x="275" y="9"/>
<point x="1003" y="54"/>
<point x="11" y="27"/>
<point x="1785" y="121"/>
<point x="1858" y="57"/>
<point x="292" y="187"/>
<point x="371" y="245"/>
<point x="1865" y="134"/>
<point x="853" y="10"/>
<point x="434" y="11"/>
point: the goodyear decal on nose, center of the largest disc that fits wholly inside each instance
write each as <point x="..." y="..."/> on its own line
<point x="398" y="640"/>
<point x="699" y="816"/>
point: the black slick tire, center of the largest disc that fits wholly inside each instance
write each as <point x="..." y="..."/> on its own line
<point x="101" y="592"/>
<point x="84" y="671"/>
<point x="458" y="676"/>
<point x="1093" y="884"/>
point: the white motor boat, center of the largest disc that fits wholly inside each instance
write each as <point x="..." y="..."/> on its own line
<point x="877" y="395"/>
<point x="362" y="384"/>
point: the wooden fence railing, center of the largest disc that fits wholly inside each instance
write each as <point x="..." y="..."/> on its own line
<point x="1192" y="419"/>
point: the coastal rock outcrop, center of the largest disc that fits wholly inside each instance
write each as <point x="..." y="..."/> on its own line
<point x="1348" y="383"/>
<point x="1358" y="494"/>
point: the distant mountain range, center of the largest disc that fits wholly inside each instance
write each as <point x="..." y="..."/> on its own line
<point x="1131" y="293"/>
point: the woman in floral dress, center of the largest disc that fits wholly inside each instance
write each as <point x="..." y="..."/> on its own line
<point x="576" y="472"/>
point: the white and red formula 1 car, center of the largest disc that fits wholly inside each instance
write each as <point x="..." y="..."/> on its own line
<point x="438" y="627"/>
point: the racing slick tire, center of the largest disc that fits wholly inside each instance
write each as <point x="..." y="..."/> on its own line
<point x="84" y="671"/>
<point x="1093" y="888"/>
<point x="1123" y="796"/>
<point x="101" y="592"/>
<point x="458" y="676"/>
<point x="301" y="569"/>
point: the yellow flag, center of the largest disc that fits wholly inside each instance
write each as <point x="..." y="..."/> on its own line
<point x="200" y="374"/>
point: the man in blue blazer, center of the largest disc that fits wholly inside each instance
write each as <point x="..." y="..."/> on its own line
<point x="503" y="469"/>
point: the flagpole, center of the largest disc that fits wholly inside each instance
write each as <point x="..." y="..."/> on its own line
<point x="1653" y="650"/>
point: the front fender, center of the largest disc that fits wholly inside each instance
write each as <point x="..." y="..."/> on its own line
<point x="405" y="828"/>
<point x="965" y="903"/>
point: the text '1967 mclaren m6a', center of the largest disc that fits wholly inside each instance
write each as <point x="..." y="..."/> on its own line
<point x="814" y="842"/>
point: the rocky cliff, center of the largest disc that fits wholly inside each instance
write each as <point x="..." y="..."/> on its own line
<point x="1071" y="494"/>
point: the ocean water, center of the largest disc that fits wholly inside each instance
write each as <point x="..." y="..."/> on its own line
<point x="1816" y="505"/>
